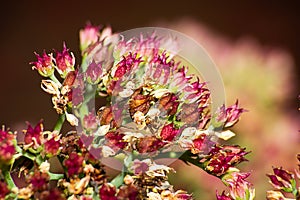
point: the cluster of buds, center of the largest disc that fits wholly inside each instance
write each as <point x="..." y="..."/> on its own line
<point x="221" y="158"/>
<point x="48" y="143"/>
<point x="64" y="63"/>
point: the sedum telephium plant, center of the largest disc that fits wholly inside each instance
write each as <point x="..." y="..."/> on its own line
<point x="153" y="110"/>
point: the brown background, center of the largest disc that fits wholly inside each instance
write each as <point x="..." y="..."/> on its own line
<point x="28" y="26"/>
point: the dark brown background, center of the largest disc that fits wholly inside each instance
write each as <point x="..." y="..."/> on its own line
<point x="28" y="26"/>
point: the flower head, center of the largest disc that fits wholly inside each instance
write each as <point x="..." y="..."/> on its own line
<point x="33" y="136"/>
<point x="52" y="144"/>
<point x="107" y="192"/>
<point x="39" y="180"/>
<point x="44" y="64"/>
<point x="74" y="164"/>
<point x="90" y="121"/>
<point x="221" y="158"/>
<point x="65" y="61"/>
<point x="168" y="132"/>
<point x="94" y="73"/>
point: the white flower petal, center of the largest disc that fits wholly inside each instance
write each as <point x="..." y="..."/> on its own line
<point x="160" y="92"/>
<point x="50" y="87"/>
<point x="72" y="119"/>
<point x="225" y="135"/>
<point x="102" y="130"/>
<point x="107" y="151"/>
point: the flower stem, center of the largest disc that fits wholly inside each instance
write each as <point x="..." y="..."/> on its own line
<point x="53" y="78"/>
<point x="9" y="179"/>
<point x="188" y="157"/>
<point x="60" y="122"/>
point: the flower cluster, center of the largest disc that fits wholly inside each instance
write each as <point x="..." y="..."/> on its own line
<point x="154" y="108"/>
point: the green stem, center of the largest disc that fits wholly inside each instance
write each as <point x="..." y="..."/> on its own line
<point x="60" y="122"/>
<point x="53" y="78"/>
<point x="9" y="179"/>
<point x="84" y="63"/>
<point x="188" y="157"/>
<point x="168" y="155"/>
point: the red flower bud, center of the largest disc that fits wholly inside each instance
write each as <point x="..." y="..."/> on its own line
<point x="107" y="192"/>
<point x="74" y="164"/>
<point x="33" y="135"/>
<point x="168" y="132"/>
<point x="3" y="190"/>
<point x="281" y="179"/>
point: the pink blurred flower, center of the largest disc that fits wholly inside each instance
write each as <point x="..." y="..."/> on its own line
<point x="88" y="36"/>
<point x="3" y="190"/>
<point x="7" y="148"/>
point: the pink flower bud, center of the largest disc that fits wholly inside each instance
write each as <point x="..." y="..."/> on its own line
<point x="44" y="64"/>
<point x="65" y="61"/>
<point x="281" y="179"/>
<point x="230" y="115"/>
<point x="240" y="188"/>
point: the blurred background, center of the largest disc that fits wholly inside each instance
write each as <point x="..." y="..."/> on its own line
<point x="256" y="47"/>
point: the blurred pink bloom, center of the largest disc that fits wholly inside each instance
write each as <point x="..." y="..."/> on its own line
<point x="89" y="35"/>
